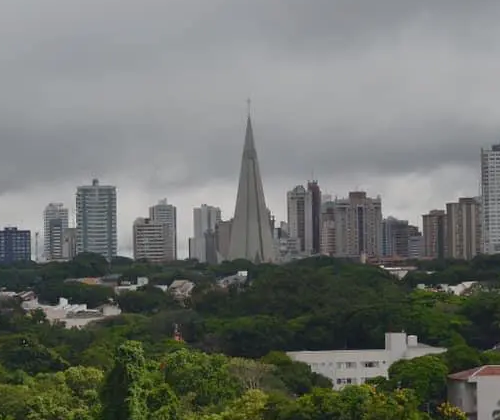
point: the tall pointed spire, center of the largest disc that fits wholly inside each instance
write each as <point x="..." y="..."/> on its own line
<point x="251" y="236"/>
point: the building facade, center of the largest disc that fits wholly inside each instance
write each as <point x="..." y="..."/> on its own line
<point x="463" y="228"/>
<point x="476" y="392"/>
<point x="150" y="239"/>
<point x="96" y="219"/>
<point x="490" y="197"/>
<point x="15" y="245"/>
<point x="358" y="226"/>
<point x="223" y="239"/>
<point x="328" y="238"/>
<point x="354" y="367"/>
<point x="165" y="213"/>
<point x="69" y="244"/>
<point x="315" y="192"/>
<point x="205" y="219"/>
<point x="435" y="234"/>
<point x="395" y="238"/>
<point x="300" y="217"/>
<point x="415" y="243"/>
<point x="55" y="221"/>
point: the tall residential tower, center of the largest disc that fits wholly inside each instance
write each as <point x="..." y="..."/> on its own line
<point x="96" y="219"/>
<point x="202" y="245"/>
<point x="165" y="213"/>
<point x="300" y="217"/>
<point x="490" y="195"/>
<point x="55" y="222"/>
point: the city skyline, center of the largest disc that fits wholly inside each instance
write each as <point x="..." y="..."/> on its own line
<point x="390" y="100"/>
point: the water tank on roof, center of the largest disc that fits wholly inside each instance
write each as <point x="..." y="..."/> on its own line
<point x="412" y="341"/>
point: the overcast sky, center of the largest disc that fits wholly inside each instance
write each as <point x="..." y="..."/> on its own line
<point x="395" y="97"/>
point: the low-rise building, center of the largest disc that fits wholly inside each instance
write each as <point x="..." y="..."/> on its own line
<point x="476" y="392"/>
<point x="237" y="279"/>
<point x="181" y="289"/>
<point x="354" y="367"/>
<point x="72" y="316"/>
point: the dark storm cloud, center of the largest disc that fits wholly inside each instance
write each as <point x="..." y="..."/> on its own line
<point x="155" y="90"/>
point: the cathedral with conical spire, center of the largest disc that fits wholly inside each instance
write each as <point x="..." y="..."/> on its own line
<point x="251" y="236"/>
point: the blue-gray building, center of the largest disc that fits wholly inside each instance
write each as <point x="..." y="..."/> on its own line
<point x="15" y="245"/>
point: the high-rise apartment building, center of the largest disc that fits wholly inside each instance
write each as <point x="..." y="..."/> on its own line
<point x="96" y="219"/>
<point x="167" y="214"/>
<point x="415" y="243"/>
<point x="490" y="199"/>
<point x="151" y="240"/>
<point x="15" y="245"/>
<point x="358" y="226"/>
<point x="55" y="221"/>
<point x="69" y="244"/>
<point x="300" y="217"/>
<point x="435" y="234"/>
<point x="395" y="237"/>
<point x="223" y="239"/>
<point x="201" y="245"/>
<point x="328" y="239"/>
<point x="463" y="228"/>
<point x="315" y="192"/>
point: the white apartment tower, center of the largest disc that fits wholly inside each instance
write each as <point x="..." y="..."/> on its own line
<point x="96" y="219"/>
<point x="55" y="221"/>
<point x="490" y="198"/>
<point x="300" y="217"/>
<point x="167" y="214"/>
<point x="151" y="240"/>
<point x="205" y="220"/>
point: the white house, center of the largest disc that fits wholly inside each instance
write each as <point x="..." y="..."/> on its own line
<point x="476" y="392"/>
<point x="354" y="367"/>
<point x="236" y="279"/>
<point x="72" y="315"/>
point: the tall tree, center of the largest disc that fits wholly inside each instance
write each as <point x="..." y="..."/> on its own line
<point x="124" y="395"/>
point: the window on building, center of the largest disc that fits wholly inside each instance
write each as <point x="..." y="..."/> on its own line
<point x="346" y="365"/>
<point x="346" y="381"/>
<point x="371" y="364"/>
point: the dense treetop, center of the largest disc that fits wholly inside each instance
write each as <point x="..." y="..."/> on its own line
<point x="232" y="359"/>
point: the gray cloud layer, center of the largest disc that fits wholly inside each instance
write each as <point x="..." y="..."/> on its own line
<point x="154" y="91"/>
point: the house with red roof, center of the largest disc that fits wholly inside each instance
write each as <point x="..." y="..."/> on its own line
<point x="476" y="392"/>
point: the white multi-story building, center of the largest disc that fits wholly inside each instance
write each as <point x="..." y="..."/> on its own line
<point x="205" y="220"/>
<point x="476" y="392"/>
<point x="354" y="367"/>
<point x="96" y="219"/>
<point x="490" y="198"/>
<point x="55" y="221"/>
<point x="300" y="217"/>
<point x="167" y="214"/>
<point x="151" y="239"/>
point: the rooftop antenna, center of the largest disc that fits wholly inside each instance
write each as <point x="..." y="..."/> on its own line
<point x="249" y="103"/>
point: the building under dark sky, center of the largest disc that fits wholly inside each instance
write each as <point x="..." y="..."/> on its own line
<point x="315" y="191"/>
<point x="15" y="245"/>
